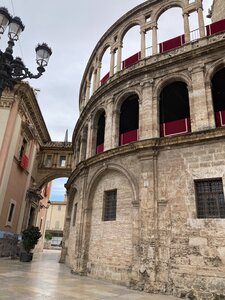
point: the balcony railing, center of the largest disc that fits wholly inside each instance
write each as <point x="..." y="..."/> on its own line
<point x="194" y="35"/>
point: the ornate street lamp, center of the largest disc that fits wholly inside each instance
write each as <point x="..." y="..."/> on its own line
<point x="13" y="70"/>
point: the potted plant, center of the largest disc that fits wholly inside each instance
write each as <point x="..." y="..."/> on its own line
<point x="30" y="237"/>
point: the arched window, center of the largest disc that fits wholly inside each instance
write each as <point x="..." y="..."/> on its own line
<point x="129" y="120"/>
<point x="131" y="47"/>
<point x="218" y="94"/>
<point x="170" y="34"/>
<point x="105" y="66"/>
<point x="174" y="109"/>
<point x="100" y="133"/>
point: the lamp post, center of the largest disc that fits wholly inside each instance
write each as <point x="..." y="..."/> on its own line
<point x="13" y="70"/>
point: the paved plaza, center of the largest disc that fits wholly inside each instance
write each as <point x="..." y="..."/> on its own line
<point x="45" y="279"/>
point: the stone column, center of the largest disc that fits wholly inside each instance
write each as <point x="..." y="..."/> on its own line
<point x="209" y="101"/>
<point x="87" y="96"/>
<point x="154" y="40"/>
<point x="119" y="58"/>
<point x="142" y="44"/>
<point x="186" y="28"/>
<point x="115" y="127"/>
<point x="90" y="138"/>
<point x="197" y="100"/>
<point x="77" y="153"/>
<point x="145" y="111"/>
<point x="155" y="117"/>
<point x="55" y="160"/>
<point x="95" y="80"/>
<point x="83" y="146"/>
<point x="112" y="62"/>
<point x="98" y="75"/>
<point x="83" y="232"/>
<point x="108" y="125"/>
<point x="201" y="22"/>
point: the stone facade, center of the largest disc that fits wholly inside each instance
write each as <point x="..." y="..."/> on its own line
<point x="157" y="242"/>
<point x="218" y="10"/>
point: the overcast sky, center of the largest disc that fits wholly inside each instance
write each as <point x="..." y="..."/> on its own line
<point x="71" y="28"/>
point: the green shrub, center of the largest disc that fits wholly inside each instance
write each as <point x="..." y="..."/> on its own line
<point x="30" y="237"/>
<point x="48" y="235"/>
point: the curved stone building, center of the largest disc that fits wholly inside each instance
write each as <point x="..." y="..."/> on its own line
<point x="146" y="197"/>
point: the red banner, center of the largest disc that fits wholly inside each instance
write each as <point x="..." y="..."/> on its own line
<point x="24" y="162"/>
<point x="100" y="148"/>
<point x="128" y="137"/>
<point x="215" y="27"/>
<point x="172" y="43"/>
<point x="105" y="78"/>
<point x="175" y="127"/>
<point x="220" y="118"/>
<point x="131" y="60"/>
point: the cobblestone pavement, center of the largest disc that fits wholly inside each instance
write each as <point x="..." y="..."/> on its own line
<point x="45" y="279"/>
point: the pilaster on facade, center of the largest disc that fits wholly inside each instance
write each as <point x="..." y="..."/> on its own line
<point x="198" y="99"/>
<point x="109" y="125"/>
<point x="146" y="110"/>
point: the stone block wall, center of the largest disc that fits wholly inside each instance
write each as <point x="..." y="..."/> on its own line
<point x="218" y="12"/>
<point x="8" y="247"/>
<point x="191" y="250"/>
<point x="110" y="247"/>
<point x="159" y="244"/>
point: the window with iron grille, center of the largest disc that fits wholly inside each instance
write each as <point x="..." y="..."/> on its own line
<point x="109" y="205"/>
<point x="210" y="198"/>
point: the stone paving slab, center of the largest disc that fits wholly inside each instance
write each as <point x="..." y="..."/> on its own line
<point x="45" y="279"/>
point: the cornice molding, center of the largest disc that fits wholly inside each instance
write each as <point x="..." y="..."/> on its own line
<point x="6" y="99"/>
<point x="57" y="145"/>
<point x="30" y="111"/>
<point x="152" y="146"/>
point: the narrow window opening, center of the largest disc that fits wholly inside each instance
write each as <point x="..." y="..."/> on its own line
<point x="23" y="148"/>
<point x="75" y="214"/>
<point x="109" y="205"/>
<point x="48" y="162"/>
<point x="11" y="211"/>
<point x="62" y="161"/>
